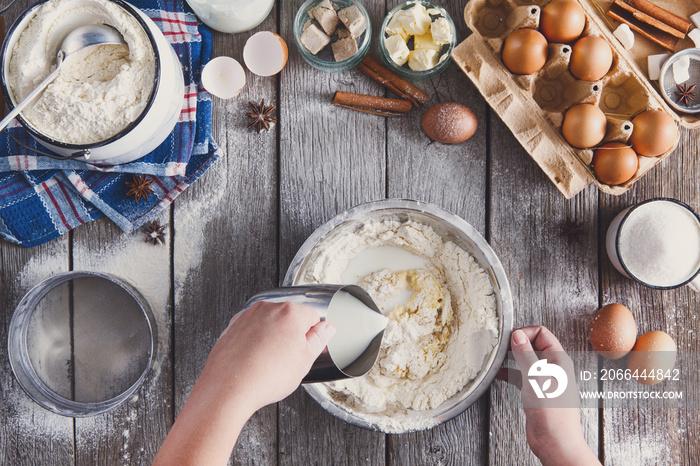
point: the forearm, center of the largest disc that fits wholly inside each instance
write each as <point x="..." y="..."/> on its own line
<point x="206" y="430"/>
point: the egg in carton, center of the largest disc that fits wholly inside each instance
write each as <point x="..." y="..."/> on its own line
<point x="533" y="106"/>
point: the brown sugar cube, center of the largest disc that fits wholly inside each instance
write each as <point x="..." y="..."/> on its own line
<point x="353" y="20"/>
<point x="344" y="48"/>
<point x="314" y="39"/>
<point x="326" y="16"/>
<point x="343" y="32"/>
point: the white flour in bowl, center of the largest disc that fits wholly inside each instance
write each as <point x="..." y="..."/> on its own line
<point x="435" y="343"/>
<point x="100" y="90"/>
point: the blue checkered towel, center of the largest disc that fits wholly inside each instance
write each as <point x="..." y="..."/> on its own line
<point x="42" y="198"/>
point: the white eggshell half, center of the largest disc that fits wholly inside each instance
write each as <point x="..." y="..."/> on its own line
<point x="223" y="77"/>
<point x="265" y="53"/>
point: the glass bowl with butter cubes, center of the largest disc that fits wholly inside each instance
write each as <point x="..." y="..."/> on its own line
<point x="416" y="40"/>
<point x="332" y="35"/>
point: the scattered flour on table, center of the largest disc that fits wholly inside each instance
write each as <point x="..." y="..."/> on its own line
<point x="435" y="344"/>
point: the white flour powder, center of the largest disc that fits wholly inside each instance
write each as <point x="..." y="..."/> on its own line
<point x="435" y="344"/>
<point x="100" y="90"/>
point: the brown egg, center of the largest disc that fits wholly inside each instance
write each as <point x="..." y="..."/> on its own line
<point x="449" y="123"/>
<point x="613" y="331"/>
<point x="615" y="163"/>
<point x="591" y="58"/>
<point x="524" y="51"/>
<point x="654" y="133"/>
<point x="652" y="357"/>
<point x="562" y="21"/>
<point x="584" y="126"/>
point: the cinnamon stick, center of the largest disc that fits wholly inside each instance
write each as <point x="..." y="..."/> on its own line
<point x="662" y="38"/>
<point x="665" y="16"/>
<point x="391" y="81"/>
<point x="650" y="20"/>
<point x="371" y="104"/>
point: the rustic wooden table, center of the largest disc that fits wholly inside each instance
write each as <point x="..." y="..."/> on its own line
<point x="235" y="231"/>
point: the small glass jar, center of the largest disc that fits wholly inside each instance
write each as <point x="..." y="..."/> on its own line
<point x="231" y="16"/>
<point x="445" y="52"/>
<point x="324" y="60"/>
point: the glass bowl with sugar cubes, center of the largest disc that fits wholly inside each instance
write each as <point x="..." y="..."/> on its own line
<point x="416" y="40"/>
<point x="332" y="35"/>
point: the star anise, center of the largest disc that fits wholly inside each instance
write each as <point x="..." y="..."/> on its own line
<point x="572" y="230"/>
<point x="685" y="94"/>
<point x="155" y="233"/>
<point x="140" y="187"/>
<point x="260" y="116"/>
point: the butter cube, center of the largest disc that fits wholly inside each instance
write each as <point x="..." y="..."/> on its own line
<point x="425" y="42"/>
<point x="695" y="18"/>
<point x="397" y="49"/>
<point x="415" y="20"/>
<point x="681" y="70"/>
<point x="654" y="64"/>
<point x="422" y="60"/>
<point x="394" y="28"/>
<point x="344" y="48"/>
<point x="326" y="16"/>
<point x="314" y="39"/>
<point x="695" y="36"/>
<point x="353" y="20"/>
<point x="625" y="35"/>
<point x="441" y="31"/>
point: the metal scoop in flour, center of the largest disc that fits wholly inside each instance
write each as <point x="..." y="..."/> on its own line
<point x="80" y="38"/>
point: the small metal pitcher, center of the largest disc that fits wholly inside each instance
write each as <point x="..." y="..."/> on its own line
<point x="319" y="297"/>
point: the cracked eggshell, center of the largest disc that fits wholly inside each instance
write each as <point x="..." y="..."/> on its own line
<point x="265" y="53"/>
<point x="223" y="77"/>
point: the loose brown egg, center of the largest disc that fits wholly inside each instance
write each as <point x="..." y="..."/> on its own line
<point x="652" y="357"/>
<point x="562" y="21"/>
<point x="584" y="126"/>
<point x="524" y="51"/>
<point x="449" y="123"/>
<point x="615" y="163"/>
<point x="654" y="133"/>
<point x="591" y="58"/>
<point x="613" y="331"/>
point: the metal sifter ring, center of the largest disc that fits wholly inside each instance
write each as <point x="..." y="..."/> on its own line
<point x="81" y="343"/>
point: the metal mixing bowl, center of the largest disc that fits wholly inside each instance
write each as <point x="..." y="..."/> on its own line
<point x="451" y="228"/>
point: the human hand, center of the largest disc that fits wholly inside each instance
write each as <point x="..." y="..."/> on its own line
<point x="266" y="350"/>
<point x="259" y="359"/>
<point x="554" y="434"/>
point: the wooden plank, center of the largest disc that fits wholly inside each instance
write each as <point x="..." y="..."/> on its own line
<point x="554" y="282"/>
<point x="331" y="159"/>
<point x="644" y="435"/>
<point x="28" y="432"/>
<point x="225" y="242"/>
<point x="453" y="177"/>
<point x="132" y="432"/>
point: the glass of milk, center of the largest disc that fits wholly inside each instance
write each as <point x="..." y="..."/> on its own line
<point x="359" y="324"/>
<point x="656" y="243"/>
<point x="232" y="16"/>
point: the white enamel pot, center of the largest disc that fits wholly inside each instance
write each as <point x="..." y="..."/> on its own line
<point x="143" y="135"/>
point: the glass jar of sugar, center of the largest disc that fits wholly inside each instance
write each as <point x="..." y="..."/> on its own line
<point x="656" y="243"/>
<point x="231" y="16"/>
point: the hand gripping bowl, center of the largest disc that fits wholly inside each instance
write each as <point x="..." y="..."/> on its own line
<point x="150" y="128"/>
<point x="451" y="228"/>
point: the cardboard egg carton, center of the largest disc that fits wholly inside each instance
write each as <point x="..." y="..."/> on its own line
<point x="533" y="106"/>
